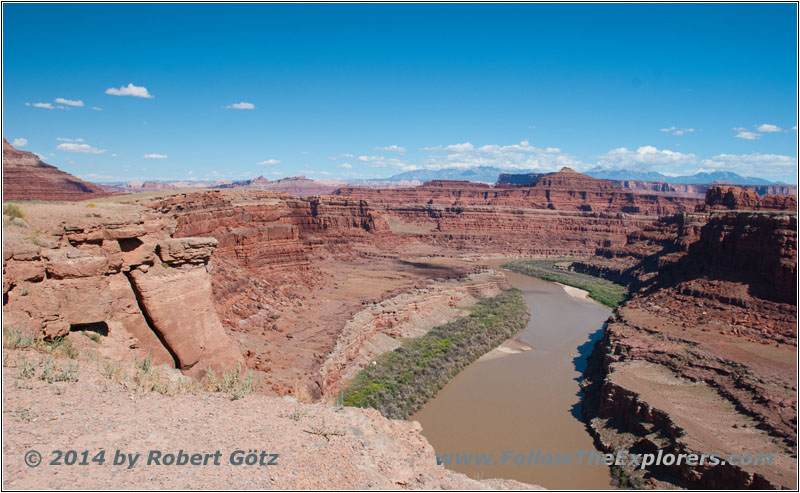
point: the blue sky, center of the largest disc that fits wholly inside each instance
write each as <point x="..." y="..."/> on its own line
<point x="153" y="91"/>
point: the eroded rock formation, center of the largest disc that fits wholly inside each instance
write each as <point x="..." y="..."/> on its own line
<point x="118" y="276"/>
<point x="702" y="357"/>
<point x="26" y="177"/>
<point x="736" y="198"/>
<point x="565" y="190"/>
<point x="510" y="180"/>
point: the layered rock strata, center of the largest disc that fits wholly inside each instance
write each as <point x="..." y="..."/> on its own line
<point x="565" y="190"/>
<point x="26" y="177"/>
<point x="702" y="358"/>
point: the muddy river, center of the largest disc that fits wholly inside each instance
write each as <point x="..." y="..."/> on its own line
<point x="514" y="402"/>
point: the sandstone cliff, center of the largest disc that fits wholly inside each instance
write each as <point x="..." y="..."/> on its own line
<point x="510" y="180"/>
<point x="701" y="357"/>
<point x="26" y="177"/>
<point x="563" y="213"/>
<point x="736" y="198"/>
<point x="113" y="275"/>
<point x="565" y="190"/>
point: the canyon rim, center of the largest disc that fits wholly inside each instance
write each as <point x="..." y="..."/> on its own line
<point x="346" y="259"/>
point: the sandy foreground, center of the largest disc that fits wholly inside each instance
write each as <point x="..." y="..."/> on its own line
<point x="317" y="446"/>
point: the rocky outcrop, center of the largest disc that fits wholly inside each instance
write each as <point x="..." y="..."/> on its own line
<point x="178" y="302"/>
<point x="736" y="198"/>
<point x="26" y="177"/>
<point x="120" y="275"/>
<point x="700" y="359"/>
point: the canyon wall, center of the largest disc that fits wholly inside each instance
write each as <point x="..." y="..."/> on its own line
<point x="735" y="198"/>
<point x="564" y="213"/>
<point x="509" y="180"/>
<point x="565" y="190"/>
<point x="702" y="358"/>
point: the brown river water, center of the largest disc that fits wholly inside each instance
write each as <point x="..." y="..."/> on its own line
<point x="526" y="401"/>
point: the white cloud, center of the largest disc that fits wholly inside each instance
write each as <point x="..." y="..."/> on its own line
<point x="755" y="164"/>
<point x="241" y="106"/>
<point x="69" y="102"/>
<point x="346" y="166"/>
<point x="643" y="157"/>
<point x="82" y="148"/>
<point x="130" y="90"/>
<point x="748" y="135"/>
<point x="47" y="106"/>
<point x="392" y="148"/>
<point x="677" y="131"/>
<point x="383" y="162"/>
<point x="20" y="142"/>
<point x="466" y="146"/>
<point x="522" y="156"/>
<point x="269" y="162"/>
<point x="155" y="156"/>
<point x="96" y="108"/>
<point x="739" y="129"/>
<point x="64" y="139"/>
<point x="768" y="128"/>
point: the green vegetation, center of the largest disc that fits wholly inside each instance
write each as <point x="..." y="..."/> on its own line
<point x="625" y="480"/>
<point x="403" y="380"/>
<point x="94" y="336"/>
<point x="601" y="290"/>
<point x="13" y="211"/>
<point x="142" y="377"/>
<point x="232" y="383"/>
<point x="20" y="339"/>
<point x="53" y="372"/>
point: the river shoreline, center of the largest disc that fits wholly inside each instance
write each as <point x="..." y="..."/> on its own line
<point x="525" y="400"/>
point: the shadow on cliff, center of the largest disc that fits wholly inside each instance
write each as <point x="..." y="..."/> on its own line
<point x="580" y="362"/>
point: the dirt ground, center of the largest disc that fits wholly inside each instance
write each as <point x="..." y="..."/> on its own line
<point x="318" y="447"/>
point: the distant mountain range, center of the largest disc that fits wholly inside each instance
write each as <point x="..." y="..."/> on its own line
<point x="489" y="174"/>
<point x="486" y="174"/>
<point x="696" y="179"/>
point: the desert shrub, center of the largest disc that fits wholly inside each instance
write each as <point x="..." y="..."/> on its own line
<point x="13" y="211"/>
<point x="233" y="382"/>
<point x="53" y="372"/>
<point x="601" y="290"/>
<point x="403" y="380"/>
<point x="17" y="338"/>
<point x="20" y="339"/>
<point x="94" y="336"/>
